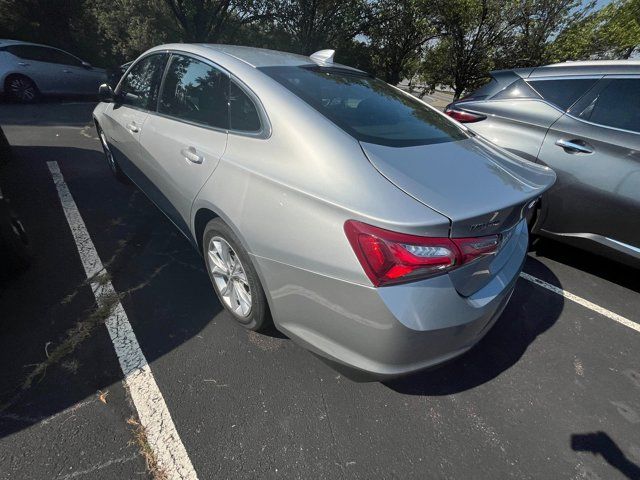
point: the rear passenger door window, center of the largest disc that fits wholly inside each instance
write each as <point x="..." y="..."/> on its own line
<point x="29" y="52"/>
<point x="140" y="87"/>
<point x="243" y="114"/>
<point x="563" y="92"/>
<point x="616" y="105"/>
<point x="196" y="92"/>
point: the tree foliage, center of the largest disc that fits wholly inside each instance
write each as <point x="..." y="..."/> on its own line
<point x="610" y="33"/>
<point x="453" y="43"/>
<point x="399" y="33"/>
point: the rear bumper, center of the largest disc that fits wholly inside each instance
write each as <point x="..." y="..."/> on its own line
<point x="390" y="331"/>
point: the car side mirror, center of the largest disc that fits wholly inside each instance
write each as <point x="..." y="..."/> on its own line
<point x="106" y="93"/>
<point x="87" y="65"/>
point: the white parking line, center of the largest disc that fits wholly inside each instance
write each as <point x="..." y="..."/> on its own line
<point x="581" y="301"/>
<point x="154" y="416"/>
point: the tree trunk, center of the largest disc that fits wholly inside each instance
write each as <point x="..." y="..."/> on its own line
<point x="457" y="91"/>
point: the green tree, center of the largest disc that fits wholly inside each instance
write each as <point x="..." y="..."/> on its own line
<point x="208" y="20"/>
<point x="536" y="24"/>
<point x="612" y="32"/>
<point x="310" y="25"/>
<point x="399" y="33"/>
<point x="60" y="23"/>
<point x="474" y="33"/>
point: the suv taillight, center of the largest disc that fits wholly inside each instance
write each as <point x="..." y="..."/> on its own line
<point x="389" y="257"/>
<point x="463" y="116"/>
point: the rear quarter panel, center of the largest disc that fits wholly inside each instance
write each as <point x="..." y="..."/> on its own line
<point x="518" y="126"/>
<point x="288" y="196"/>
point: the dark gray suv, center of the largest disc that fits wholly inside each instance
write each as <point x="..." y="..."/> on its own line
<point x="583" y="120"/>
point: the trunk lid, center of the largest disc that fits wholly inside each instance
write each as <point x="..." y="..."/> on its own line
<point x="482" y="190"/>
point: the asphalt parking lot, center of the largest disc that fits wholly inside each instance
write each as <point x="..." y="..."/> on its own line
<point x="553" y="391"/>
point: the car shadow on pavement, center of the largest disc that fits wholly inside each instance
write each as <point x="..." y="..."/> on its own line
<point x="530" y="312"/>
<point x="58" y="111"/>
<point x="599" y="266"/>
<point x="55" y="351"/>
<point x="599" y="443"/>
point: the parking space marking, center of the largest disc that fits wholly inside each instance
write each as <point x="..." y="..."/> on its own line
<point x="581" y="301"/>
<point x="153" y="413"/>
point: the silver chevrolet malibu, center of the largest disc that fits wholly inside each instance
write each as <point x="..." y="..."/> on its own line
<point x="369" y="227"/>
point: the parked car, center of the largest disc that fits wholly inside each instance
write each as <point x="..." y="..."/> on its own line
<point x="28" y="70"/>
<point x="370" y="227"/>
<point x="583" y="120"/>
<point x="14" y="243"/>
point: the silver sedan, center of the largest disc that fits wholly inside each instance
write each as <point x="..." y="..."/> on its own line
<point x="367" y="226"/>
<point x="28" y="70"/>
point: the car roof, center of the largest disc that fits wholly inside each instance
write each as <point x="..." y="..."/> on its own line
<point x="5" y="41"/>
<point x="590" y="67"/>
<point x="253" y="56"/>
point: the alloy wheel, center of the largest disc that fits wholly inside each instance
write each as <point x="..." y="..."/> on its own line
<point x="23" y="89"/>
<point x="229" y="276"/>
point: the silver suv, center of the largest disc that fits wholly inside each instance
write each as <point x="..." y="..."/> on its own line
<point x="583" y="120"/>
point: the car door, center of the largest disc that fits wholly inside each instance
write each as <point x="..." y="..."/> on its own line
<point x="125" y="118"/>
<point x="183" y="142"/>
<point x="77" y="78"/>
<point x="595" y="151"/>
<point x="34" y="63"/>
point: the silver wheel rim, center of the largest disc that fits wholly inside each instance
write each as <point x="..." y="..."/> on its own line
<point x="229" y="276"/>
<point x="23" y="89"/>
<point x="107" y="152"/>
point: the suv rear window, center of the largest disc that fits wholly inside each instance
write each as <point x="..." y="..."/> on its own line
<point x="367" y="108"/>
<point x="565" y="92"/>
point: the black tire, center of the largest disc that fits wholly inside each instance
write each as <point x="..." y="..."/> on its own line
<point x="21" y="89"/>
<point x="14" y="243"/>
<point x="112" y="163"/>
<point x="259" y="317"/>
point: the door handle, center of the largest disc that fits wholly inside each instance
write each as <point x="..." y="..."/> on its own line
<point x="23" y="64"/>
<point x="190" y="154"/>
<point x="575" y="146"/>
<point x="133" y="127"/>
<point x="66" y="71"/>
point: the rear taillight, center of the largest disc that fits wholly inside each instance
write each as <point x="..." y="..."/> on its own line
<point x="390" y="257"/>
<point x="463" y="116"/>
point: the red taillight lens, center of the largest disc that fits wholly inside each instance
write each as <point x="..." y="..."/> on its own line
<point x="472" y="248"/>
<point x="390" y="257"/>
<point x="463" y="116"/>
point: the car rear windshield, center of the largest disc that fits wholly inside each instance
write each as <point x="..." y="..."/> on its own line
<point x="367" y="108"/>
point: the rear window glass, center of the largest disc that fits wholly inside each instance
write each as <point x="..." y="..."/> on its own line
<point x="518" y="89"/>
<point x="563" y="93"/>
<point x="484" y="91"/>
<point x="367" y="108"/>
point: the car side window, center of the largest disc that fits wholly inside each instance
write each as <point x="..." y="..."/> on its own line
<point x="29" y="52"/>
<point x="195" y="91"/>
<point x="616" y="105"/>
<point x="563" y="92"/>
<point x="62" y="58"/>
<point x="518" y="89"/>
<point x="140" y="87"/>
<point x="243" y="114"/>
